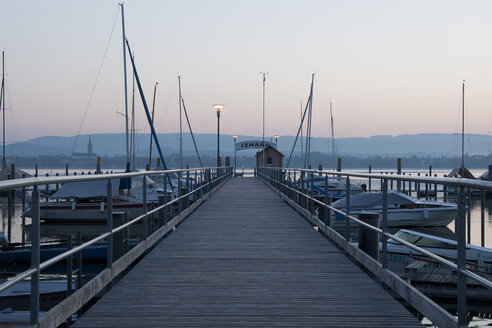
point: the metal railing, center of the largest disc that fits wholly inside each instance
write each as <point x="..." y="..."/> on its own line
<point x="200" y="183"/>
<point x="296" y="187"/>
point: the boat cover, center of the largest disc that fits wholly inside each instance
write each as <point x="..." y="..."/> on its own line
<point x="86" y="189"/>
<point x="371" y="199"/>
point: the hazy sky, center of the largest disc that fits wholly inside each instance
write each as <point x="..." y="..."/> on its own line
<point x="389" y="67"/>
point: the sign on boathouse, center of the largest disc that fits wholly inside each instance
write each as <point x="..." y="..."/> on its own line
<point x="255" y="144"/>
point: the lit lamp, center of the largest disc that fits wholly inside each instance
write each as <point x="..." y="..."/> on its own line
<point x="218" y="108"/>
<point x="235" y="139"/>
<point x="276" y="141"/>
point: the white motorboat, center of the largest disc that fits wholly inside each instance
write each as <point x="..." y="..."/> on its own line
<point x="403" y="210"/>
<point x="478" y="259"/>
<point x="336" y="187"/>
<point x="86" y="201"/>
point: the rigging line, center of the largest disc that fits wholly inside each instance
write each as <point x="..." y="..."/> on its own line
<point x="298" y="131"/>
<point x="144" y="103"/>
<point x="93" y="88"/>
<point x="81" y="97"/>
<point x="191" y="131"/>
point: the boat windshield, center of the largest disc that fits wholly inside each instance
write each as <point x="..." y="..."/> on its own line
<point x="408" y="237"/>
<point x="430" y="242"/>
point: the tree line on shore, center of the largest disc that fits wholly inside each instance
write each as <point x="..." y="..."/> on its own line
<point x="248" y="162"/>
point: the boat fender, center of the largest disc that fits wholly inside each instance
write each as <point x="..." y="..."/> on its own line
<point x="73" y="206"/>
<point x="3" y="240"/>
<point x="101" y="207"/>
<point x="426" y="213"/>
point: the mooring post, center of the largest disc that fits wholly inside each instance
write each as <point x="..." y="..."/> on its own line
<point x="35" y="256"/>
<point x="384" y="239"/>
<point x="369" y="239"/>
<point x="398" y="171"/>
<point x="66" y="169"/>
<point x="109" y="224"/>
<point x="98" y="165"/>
<point x="339" y="165"/>
<point x="460" y="231"/>
<point x="347" y="208"/>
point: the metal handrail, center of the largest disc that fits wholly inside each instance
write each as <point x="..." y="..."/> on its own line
<point x="279" y="179"/>
<point x="36" y="181"/>
<point x="12" y="184"/>
<point x="435" y="257"/>
<point x="451" y="181"/>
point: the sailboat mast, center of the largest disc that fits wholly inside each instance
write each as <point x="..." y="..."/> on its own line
<point x="132" y="137"/>
<point x="264" y="80"/>
<point x="125" y="82"/>
<point x="180" y="126"/>
<point x="4" y="159"/>
<point x="302" y="144"/>
<point x="308" y="132"/>
<point x="332" y="138"/>
<point x="153" y="108"/>
<point x="463" y="131"/>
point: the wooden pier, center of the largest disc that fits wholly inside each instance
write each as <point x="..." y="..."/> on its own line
<point x="244" y="258"/>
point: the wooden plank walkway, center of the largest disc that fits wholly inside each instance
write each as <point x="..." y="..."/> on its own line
<point x="246" y="259"/>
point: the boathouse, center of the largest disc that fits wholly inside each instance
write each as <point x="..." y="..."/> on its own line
<point x="273" y="157"/>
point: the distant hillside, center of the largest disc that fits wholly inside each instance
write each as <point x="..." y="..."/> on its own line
<point x="432" y="145"/>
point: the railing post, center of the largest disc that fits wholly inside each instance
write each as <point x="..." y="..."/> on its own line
<point x="161" y="201"/>
<point x="144" y="207"/>
<point x="482" y="218"/>
<point x="69" y="265"/>
<point x="398" y="172"/>
<point x="78" y="265"/>
<point x="35" y="257"/>
<point x="311" y="194"/>
<point x="370" y="180"/>
<point x="187" y="187"/>
<point x="165" y="210"/>
<point x="23" y="237"/>
<point x="468" y="215"/>
<point x="327" y="211"/>
<point x="384" y="224"/>
<point x="109" y="224"/>
<point x="195" y="187"/>
<point x="296" y="187"/>
<point x="460" y="231"/>
<point x="347" y="209"/>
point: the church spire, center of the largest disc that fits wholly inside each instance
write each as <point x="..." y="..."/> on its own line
<point x="89" y="146"/>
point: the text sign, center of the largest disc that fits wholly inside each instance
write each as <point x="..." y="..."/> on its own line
<point x="255" y="144"/>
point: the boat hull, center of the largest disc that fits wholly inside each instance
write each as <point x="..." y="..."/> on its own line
<point x="422" y="217"/>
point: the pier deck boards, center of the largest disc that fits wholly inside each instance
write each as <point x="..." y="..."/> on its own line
<point x="246" y="259"/>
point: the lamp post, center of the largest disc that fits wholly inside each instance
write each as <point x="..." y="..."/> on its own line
<point x="218" y="108"/>
<point x="276" y="141"/>
<point x="235" y="139"/>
